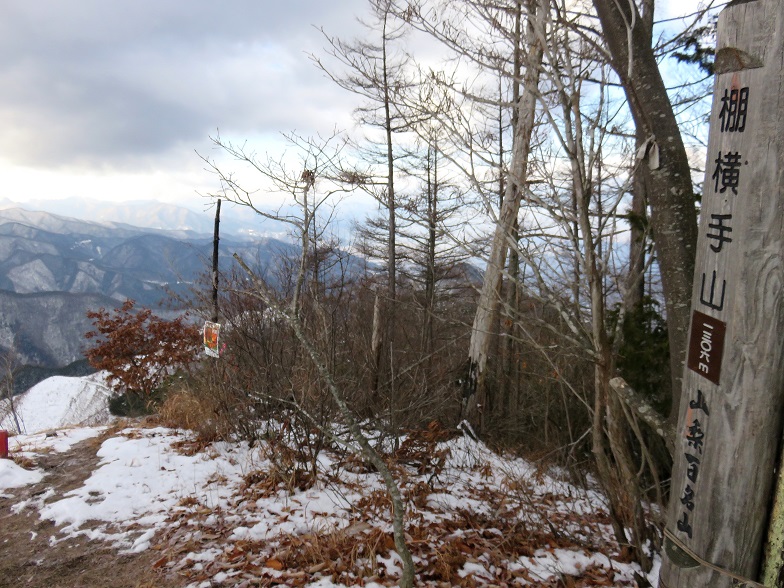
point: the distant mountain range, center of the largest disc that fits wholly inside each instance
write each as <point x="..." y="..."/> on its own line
<point x="197" y="220"/>
<point x="53" y="269"/>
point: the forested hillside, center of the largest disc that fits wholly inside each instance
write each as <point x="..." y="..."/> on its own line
<point x="54" y="269"/>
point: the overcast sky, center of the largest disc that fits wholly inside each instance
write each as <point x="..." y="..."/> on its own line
<point x="111" y="100"/>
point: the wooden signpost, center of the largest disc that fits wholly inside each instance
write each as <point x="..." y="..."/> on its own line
<point x="730" y="426"/>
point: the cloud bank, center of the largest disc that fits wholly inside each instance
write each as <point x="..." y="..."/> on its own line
<point x="95" y="84"/>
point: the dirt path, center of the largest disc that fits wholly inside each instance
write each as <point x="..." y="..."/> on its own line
<point x="27" y="559"/>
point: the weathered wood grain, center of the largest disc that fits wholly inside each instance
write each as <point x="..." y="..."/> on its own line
<point x="730" y="424"/>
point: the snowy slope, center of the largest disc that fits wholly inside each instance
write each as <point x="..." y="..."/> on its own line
<point x="155" y="488"/>
<point x="222" y="514"/>
<point x="59" y="402"/>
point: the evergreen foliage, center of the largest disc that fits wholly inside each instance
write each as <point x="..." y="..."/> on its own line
<point x="643" y="356"/>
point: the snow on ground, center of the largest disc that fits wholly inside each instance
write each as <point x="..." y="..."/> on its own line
<point x="140" y="480"/>
<point x="13" y="476"/>
<point x="210" y="512"/>
<point x="59" y="402"/>
<point x="27" y="447"/>
<point x="58" y="441"/>
<point x="225" y="514"/>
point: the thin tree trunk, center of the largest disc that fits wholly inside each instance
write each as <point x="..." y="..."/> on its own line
<point x="432" y="238"/>
<point x="215" y="250"/>
<point x="508" y="380"/>
<point x="376" y="343"/>
<point x="387" y="324"/>
<point x="391" y="204"/>
<point x="475" y="393"/>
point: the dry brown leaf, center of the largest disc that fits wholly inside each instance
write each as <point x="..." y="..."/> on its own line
<point x="389" y="542"/>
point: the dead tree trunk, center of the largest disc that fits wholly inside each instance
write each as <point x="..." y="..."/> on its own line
<point x="489" y="299"/>
<point x="215" y="251"/>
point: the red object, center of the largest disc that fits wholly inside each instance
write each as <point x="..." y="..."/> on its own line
<point x="3" y="444"/>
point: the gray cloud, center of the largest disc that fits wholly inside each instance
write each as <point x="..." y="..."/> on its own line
<point x="90" y="82"/>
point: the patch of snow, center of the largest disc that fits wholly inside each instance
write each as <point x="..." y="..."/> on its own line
<point x="59" y="402"/>
<point x="547" y="564"/>
<point x="141" y="479"/>
<point x="393" y="564"/>
<point x="59" y="442"/>
<point x="14" y="476"/>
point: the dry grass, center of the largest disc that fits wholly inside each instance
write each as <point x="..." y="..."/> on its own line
<point x="23" y="461"/>
<point x="184" y="409"/>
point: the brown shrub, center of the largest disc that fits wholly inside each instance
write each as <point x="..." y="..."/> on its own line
<point x="184" y="409"/>
<point x="138" y="349"/>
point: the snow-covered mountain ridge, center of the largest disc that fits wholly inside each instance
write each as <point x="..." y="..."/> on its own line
<point x="58" y="402"/>
<point x="196" y="220"/>
<point x="54" y="269"/>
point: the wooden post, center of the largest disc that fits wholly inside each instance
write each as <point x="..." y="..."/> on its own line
<point x="730" y="421"/>
<point x="3" y="444"/>
<point x="215" y="241"/>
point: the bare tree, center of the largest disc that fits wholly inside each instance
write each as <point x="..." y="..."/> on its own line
<point x="488" y="38"/>
<point x="376" y="73"/>
<point x="582" y="206"/>
<point x="319" y="180"/>
<point x="9" y="364"/>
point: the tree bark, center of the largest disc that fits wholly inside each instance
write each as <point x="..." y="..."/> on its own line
<point x="665" y="168"/>
<point x="638" y="215"/>
<point x="489" y="299"/>
<point x="635" y="279"/>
